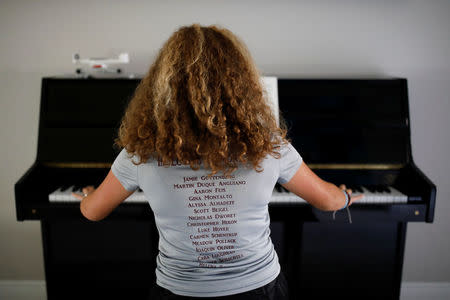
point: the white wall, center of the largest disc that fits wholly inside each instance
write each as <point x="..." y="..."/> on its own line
<point x="287" y="38"/>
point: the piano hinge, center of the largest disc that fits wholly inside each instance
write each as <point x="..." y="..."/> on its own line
<point x="80" y="165"/>
<point x="357" y="166"/>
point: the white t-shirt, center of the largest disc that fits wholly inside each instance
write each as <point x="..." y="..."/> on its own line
<point x="214" y="235"/>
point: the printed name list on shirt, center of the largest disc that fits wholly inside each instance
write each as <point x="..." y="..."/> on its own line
<point x="212" y="218"/>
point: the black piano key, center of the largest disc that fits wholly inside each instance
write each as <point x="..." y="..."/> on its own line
<point x="359" y="189"/>
<point x="379" y="189"/>
<point x="371" y="188"/>
<point x="65" y="187"/>
<point x="351" y="187"/>
<point x="78" y="188"/>
<point x="382" y="188"/>
<point x="355" y="188"/>
<point x="278" y="188"/>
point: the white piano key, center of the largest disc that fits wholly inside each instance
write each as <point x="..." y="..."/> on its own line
<point x="55" y="194"/>
<point x="285" y="197"/>
<point x="67" y="194"/>
<point x="136" y="197"/>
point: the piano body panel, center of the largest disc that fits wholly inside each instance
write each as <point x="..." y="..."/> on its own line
<point x="20" y="190"/>
<point x="113" y="259"/>
<point x="32" y="190"/>
<point x="360" y="213"/>
<point x="420" y="186"/>
<point x="31" y="193"/>
<point x="83" y="136"/>
<point x="117" y="257"/>
<point x="349" y="260"/>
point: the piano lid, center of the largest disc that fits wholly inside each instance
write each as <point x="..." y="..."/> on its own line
<point x="347" y="122"/>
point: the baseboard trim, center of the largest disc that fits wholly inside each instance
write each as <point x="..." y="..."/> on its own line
<point x="35" y="290"/>
<point x="23" y="289"/>
<point x="425" y="290"/>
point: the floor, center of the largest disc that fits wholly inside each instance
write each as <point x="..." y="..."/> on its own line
<point x="35" y="290"/>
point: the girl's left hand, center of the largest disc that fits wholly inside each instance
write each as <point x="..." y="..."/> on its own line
<point x="86" y="191"/>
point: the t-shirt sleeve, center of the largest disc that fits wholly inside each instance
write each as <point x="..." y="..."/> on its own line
<point x="290" y="161"/>
<point x="125" y="171"/>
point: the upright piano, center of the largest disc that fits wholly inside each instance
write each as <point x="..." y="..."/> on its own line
<point x="351" y="131"/>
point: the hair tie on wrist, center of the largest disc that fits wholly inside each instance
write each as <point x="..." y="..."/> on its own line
<point x="347" y="202"/>
<point x="347" y="199"/>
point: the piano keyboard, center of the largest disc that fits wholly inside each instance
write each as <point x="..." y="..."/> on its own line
<point x="372" y="195"/>
<point x="64" y="194"/>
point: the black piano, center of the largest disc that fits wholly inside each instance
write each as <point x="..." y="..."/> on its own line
<point x="351" y="131"/>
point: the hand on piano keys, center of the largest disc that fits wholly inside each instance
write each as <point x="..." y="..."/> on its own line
<point x="84" y="192"/>
<point x="373" y="194"/>
<point x="75" y="193"/>
<point x="354" y="197"/>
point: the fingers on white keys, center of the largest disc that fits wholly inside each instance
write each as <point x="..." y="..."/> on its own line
<point x="78" y="196"/>
<point x="356" y="198"/>
<point x="88" y="189"/>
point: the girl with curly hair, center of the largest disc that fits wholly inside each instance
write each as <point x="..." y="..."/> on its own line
<point x="199" y="138"/>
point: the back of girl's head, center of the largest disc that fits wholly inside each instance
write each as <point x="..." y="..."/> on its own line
<point x="201" y="102"/>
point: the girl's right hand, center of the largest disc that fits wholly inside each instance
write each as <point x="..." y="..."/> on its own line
<point x="349" y="191"/>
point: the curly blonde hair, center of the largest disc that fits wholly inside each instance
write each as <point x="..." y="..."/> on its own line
<point x="202" y="101"/>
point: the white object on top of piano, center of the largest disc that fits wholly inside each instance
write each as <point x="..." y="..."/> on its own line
<point x="101" y="62"/>
<point x="270" y="84"/>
